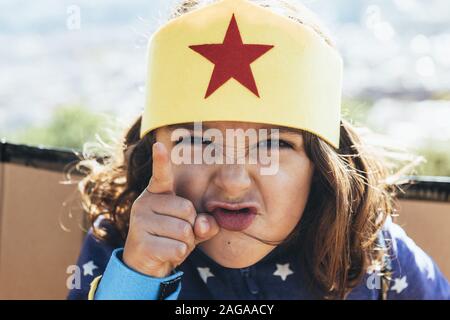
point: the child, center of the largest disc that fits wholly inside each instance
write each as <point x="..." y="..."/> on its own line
<point x="308" y="219"/>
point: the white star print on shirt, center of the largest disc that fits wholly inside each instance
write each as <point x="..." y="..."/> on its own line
<point x="283" y="271"/>
<point x="205" y="273"/>
<point x="88" y="268"/>
<point x="399" y="285"/>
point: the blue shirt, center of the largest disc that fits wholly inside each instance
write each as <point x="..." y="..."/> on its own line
<point x="414" y="275"/>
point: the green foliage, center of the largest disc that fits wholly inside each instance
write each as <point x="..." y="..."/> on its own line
<point x="355" y="110"/>
<point x="437" y="155"/>
<point x="69" y="127"/>
<point x="72" y="126"/>
<point x="438" y="160"/>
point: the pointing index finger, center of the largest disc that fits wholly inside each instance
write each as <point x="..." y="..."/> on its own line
<point x="162" y="179"/>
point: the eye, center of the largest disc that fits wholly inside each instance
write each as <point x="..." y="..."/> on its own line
<point x="281" y="143"/>
<point x="193" y="140"/>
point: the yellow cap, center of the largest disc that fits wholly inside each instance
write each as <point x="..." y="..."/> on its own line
<point x="236" y="61"/>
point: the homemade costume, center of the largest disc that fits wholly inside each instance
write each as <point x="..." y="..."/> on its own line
<point x="278" y="275"/>
<point x="236" y="61"/>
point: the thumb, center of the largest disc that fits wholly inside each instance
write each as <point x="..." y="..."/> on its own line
<point x="205" y="227"/>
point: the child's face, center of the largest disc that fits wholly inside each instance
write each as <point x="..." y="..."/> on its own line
<point x="279" y="198"/>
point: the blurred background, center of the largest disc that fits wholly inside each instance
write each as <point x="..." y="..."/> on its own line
<point x="70" y="68"/>
<point x="73" y="72"/>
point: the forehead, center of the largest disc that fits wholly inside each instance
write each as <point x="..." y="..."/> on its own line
<point x="223" y="125"/>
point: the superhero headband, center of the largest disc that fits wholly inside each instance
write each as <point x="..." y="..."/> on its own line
<point x="236" y="61"/>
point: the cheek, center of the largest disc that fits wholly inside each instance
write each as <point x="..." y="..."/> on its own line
<point x="191" y="181"/>
<point x="286" y="193"/>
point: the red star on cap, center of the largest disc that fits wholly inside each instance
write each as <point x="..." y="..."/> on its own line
<point x="231" y="59"/>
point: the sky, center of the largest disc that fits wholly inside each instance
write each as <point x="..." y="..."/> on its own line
<point x="396" y="54"/>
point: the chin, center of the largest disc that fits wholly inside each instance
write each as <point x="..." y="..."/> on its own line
<point x="244" y="252"/>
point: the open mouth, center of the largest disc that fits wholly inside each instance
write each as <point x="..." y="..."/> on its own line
<point x="246" y="210"/>
<point x="233" y="216"/>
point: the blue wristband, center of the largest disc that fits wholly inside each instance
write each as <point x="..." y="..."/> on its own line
<point x="120" y="282"/>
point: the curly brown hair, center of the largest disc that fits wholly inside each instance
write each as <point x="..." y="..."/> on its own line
<point x="351" y="193"/>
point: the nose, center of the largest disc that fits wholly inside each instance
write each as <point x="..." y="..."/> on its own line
<point x="233" y="180"/>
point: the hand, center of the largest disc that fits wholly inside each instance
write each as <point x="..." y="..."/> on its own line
<point x="164" y="228"/>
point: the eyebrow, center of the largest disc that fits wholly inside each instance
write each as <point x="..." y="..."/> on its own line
<point x="290" y="131"/>
<point x="190" y="127"/>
